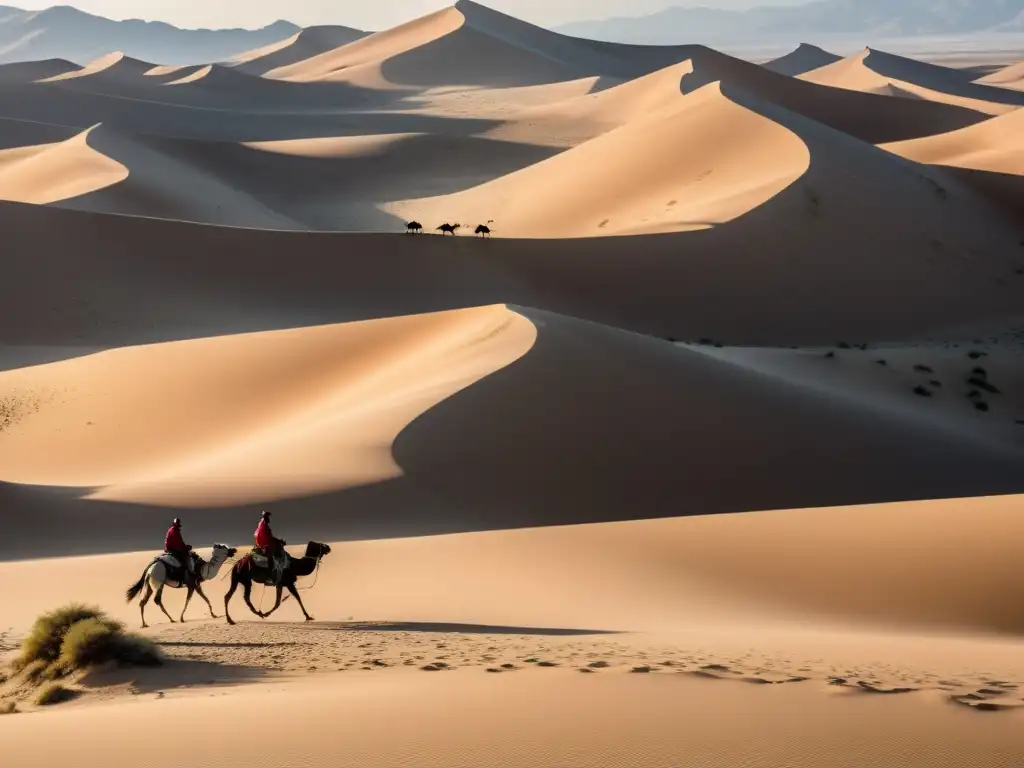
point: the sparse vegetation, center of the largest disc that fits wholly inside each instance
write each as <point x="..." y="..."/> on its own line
<point x="922" y="391"/>
<point x="980" y="383"/>
<point x="76" y="637"/>
<point x="54" y="693"/>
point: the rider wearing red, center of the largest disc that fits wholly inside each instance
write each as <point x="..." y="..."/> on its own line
<point x="175" y="545"/>
<point x="267" y="543"/>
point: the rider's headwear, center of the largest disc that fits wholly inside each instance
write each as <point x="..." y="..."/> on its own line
<point x="265" y="515"/>
<point x="176" y="522"/>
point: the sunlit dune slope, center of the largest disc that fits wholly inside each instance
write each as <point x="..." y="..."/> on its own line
<point x="873" y="71"/>
<point x="1009" y="77"/>
<point x="309" y="42"/>
<point x="48" y="173"/>
<point x="640" y="178"/>
<point x="293" y="420"/>
<point x="989" y="156"/>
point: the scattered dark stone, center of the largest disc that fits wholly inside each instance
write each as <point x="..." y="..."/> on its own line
<point x="599" y="665"/>
<point x="922" y="391"/>
<point x="923" y="369"/>
<point x="981" y="405"/>
<point x="642" y="670"/>
<point x="837" y="681"/>
<point x="975" y="354"/>
<point x="492" y="669"/>
<point x="584" y="669"/>
<point x="716" y="667"/>
<point x="509" y="666"/>
<point x="881" y="362"/>
<point x="431" y="668"/>
<point x="547" y="663"/>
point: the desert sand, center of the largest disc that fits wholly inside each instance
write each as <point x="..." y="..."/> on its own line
<point x="709" y="454"/>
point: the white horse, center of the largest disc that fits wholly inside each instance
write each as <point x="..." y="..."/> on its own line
<point x="157" y="576"/>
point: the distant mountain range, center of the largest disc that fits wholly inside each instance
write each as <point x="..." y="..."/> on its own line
<point x="859" y="18"/>
<point x="67" y="33"/>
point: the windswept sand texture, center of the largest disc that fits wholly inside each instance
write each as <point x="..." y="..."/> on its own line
<point x="722" y="426"/>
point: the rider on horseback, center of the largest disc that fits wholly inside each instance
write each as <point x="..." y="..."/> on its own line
<point x="271" y="547"/>
<point x="175" y="545"/>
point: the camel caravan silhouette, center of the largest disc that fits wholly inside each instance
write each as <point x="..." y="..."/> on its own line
<point x="415" y="228"/>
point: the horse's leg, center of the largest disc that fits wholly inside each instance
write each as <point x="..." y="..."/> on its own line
<point x="277" y="603"/>
<point x="188" y="598"/>
<point x="144" y="600"/>
<point x="227" y="597"/>
<point x="159" y="600"/>
<point x="199" y="589"/>
<point x="295" y="594"/>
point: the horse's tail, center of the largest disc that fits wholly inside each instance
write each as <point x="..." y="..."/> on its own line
<point x="134" y="589"/>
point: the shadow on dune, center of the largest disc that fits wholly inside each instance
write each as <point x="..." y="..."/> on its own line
<point x="175" y="673"/>
<point x="1005" y="190"/>
<point x="456" y="629"/>
<point x="249" y="122"/>
<point x="592" y="425"/>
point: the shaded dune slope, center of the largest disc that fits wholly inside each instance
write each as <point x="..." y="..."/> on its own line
<point x="871" y="70"/>
<point x="803" y="59"/>
<point x="639" y="179"/>
<point x="989" y="156"/>
<point x="324" y="184"/>
<point x="309" y="42"/>
<point x="32" y="71"/>
<point x="515" y="454"/>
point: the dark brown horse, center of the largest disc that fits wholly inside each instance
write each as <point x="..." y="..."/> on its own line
<point x="251" y="570"/>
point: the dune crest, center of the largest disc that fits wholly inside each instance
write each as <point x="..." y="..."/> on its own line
<point x="1011" y="77"/>
<point x="51" y="173"/>
<point x="876" y="72"/>
<point x="247" y="428"/>
<point x="114" y="65"/>
<point x="804" y="58"/>
<point x="639" y="178"/>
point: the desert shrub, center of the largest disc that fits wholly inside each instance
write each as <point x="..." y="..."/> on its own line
<point x="44" y="641"/>
<point x="980" y="383"/>
<point x="93" y="641"/>
<point x="54" y="693"/>
<point x="923" y="369"/>
<point x="922" y="391"/>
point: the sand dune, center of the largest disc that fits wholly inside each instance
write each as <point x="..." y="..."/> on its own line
<point x="803" y="59"/>
<point x="49" y="173"/>
<point x="871" y="71"/>
<point x="1009" y="77"/>
<point x="636" y="179"/>
<point x="309" y="42"/>
<point x="113" y="67"/>
<point x="32" y="71"/>
<point x="430" y="51"/>
<point x="989" y="156"/>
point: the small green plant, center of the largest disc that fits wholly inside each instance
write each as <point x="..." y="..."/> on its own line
<point x="54" y="693"/>
<point x="44" y="640"/>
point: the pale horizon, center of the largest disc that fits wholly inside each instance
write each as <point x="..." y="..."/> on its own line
<point x="193" y="14"/>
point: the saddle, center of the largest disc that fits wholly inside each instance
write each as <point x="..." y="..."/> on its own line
<point x="175" y="568"/>
<point x="273" y="568"/>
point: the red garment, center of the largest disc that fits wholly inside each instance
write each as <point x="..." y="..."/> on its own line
<point x="264" y="538"/>
<point x="173" y="541"/>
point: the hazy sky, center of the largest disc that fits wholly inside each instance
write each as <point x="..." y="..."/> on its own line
<point x="365" y="14"/>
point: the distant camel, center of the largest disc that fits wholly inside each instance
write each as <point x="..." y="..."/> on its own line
<point x="414" y="227"/>
<point x="483" y="229"/>
<point x="445" y="228"/>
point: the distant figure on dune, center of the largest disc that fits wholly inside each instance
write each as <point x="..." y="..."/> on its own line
<point x="445" y="228"/>
<point x="483" y="229"/>
<point x="414" y="227"/>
